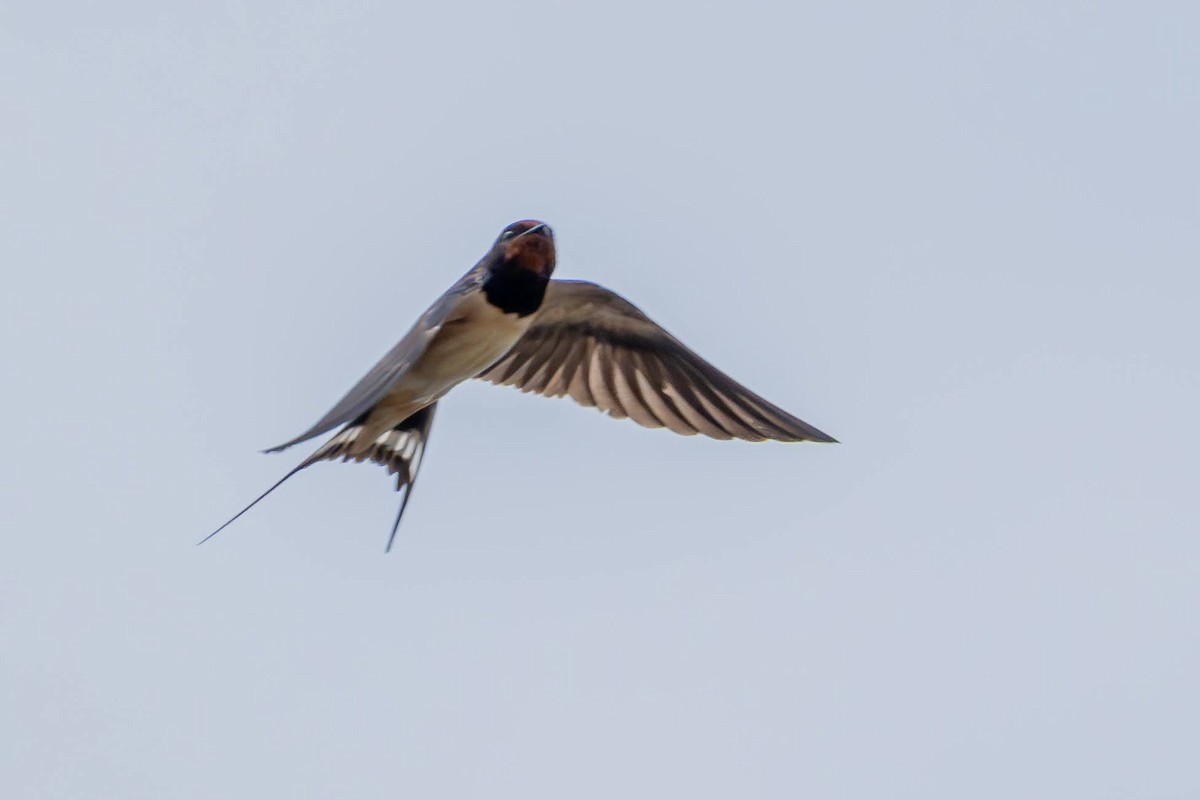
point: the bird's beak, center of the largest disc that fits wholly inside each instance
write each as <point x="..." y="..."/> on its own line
<point x="531" y="230"/>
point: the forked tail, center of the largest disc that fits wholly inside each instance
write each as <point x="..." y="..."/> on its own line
<point x="399" y="449"/>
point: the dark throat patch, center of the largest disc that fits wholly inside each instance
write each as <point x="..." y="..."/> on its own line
<point x="514" y="290"/>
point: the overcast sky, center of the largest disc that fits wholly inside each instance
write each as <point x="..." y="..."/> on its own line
<point x="959" y="237"/>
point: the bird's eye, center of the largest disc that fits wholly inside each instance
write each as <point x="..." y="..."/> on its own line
<point x="508" y="234"/>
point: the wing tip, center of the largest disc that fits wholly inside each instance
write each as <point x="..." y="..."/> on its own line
<point x="279" y="448"/>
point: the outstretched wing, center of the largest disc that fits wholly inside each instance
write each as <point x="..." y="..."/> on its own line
<point x="597" y="347"/>
<point x="399" y="449"/>
<point x="391" y="368"/>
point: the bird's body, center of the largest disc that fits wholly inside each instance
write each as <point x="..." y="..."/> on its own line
<point x="473" y="335"/>
<point x="506" y="321"/>
<point x="472" y="340"/>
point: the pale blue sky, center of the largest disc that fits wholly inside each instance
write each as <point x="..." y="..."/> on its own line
<point x="960" y="237"/>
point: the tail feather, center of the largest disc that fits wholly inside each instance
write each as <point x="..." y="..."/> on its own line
<point x="399" y="449"/>
<point x="253" y="503"/>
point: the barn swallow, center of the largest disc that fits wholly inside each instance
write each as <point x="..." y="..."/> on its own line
<point x="507" y="322"/>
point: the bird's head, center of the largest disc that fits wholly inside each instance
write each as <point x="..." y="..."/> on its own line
<point x="526" y="245"/>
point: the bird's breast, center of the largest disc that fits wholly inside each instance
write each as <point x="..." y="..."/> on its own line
<point x="470" y="341"/>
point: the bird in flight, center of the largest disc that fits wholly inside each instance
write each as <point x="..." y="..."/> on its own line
<point x="507" y="322"/>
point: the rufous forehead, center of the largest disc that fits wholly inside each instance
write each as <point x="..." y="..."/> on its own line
<point x="530" y="245"/>
<point x="533" y="253"/>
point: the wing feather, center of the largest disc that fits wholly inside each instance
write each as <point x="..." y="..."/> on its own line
<point x="543" y="367"/>
<point x="560" y="384"/>
<point x="659" y="400"/>
<point x="578" y="387"/>
<point x="630" y="397"/>
<point x="597" y="347"/>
